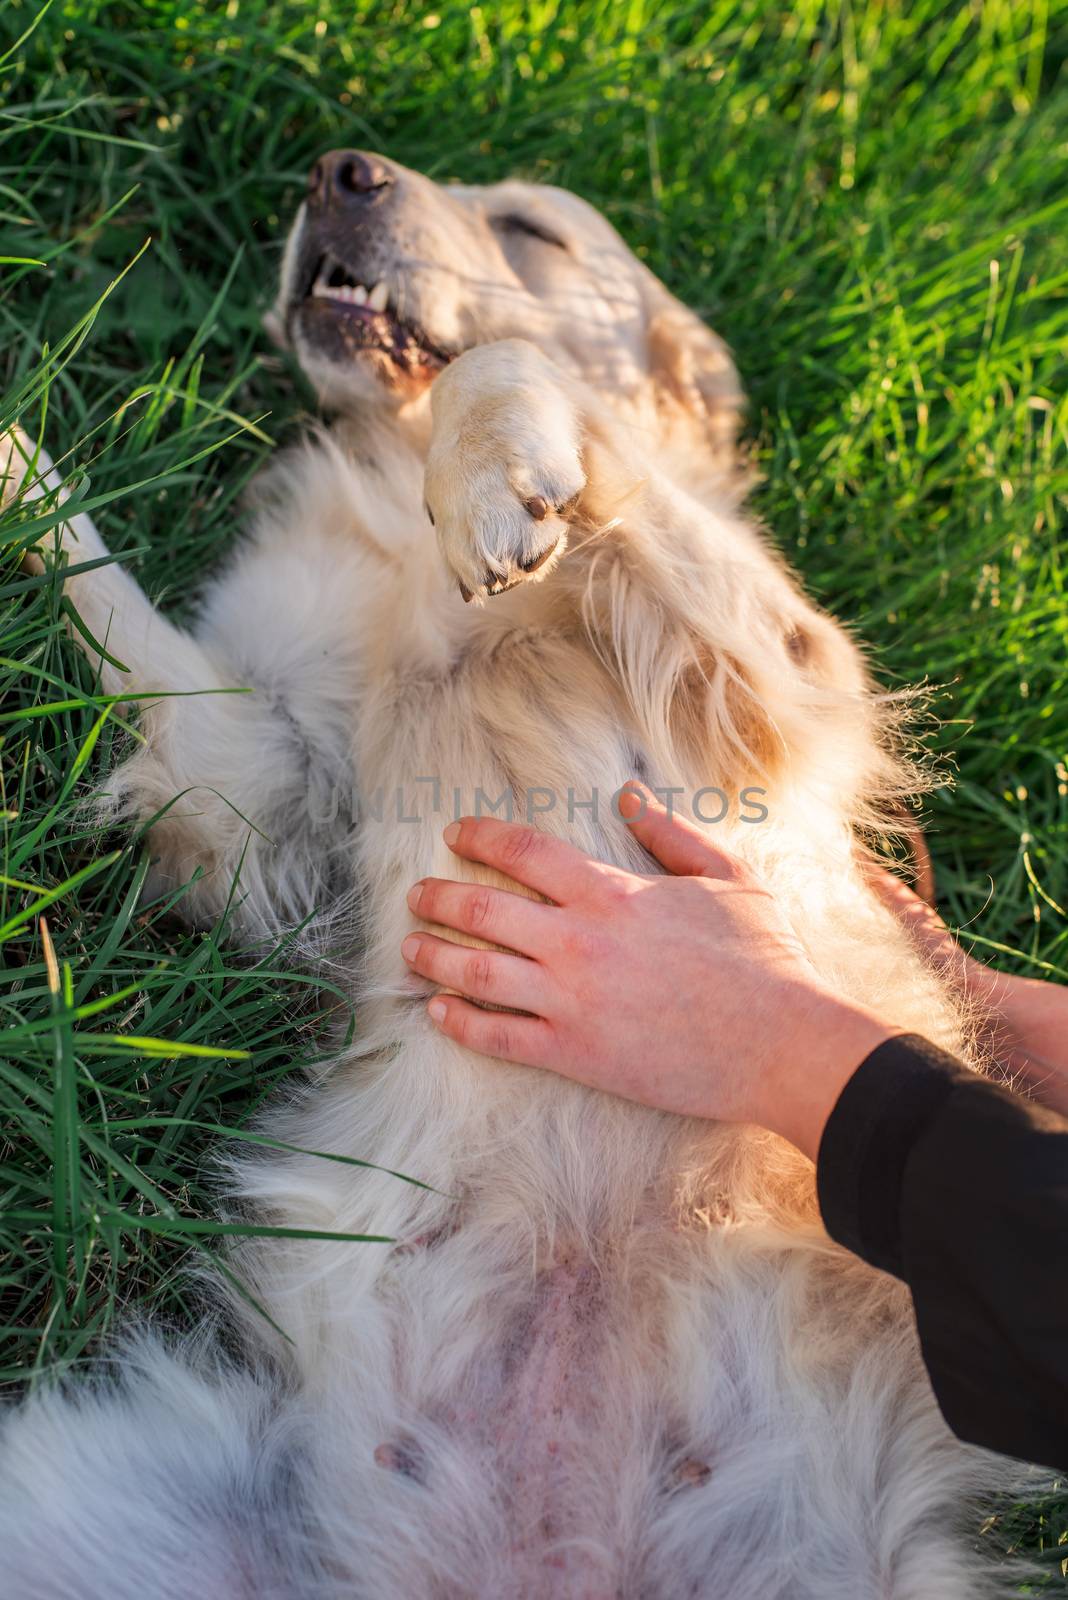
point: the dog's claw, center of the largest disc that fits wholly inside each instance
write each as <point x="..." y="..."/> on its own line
<point x="465" y="591"/>
<point x="538" y="507"/>
<point x="534" y="562"/>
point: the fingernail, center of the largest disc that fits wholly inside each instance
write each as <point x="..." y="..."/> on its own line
<point x="436" y="1009"/>
<point x="452" y="833"/>
<point x="631" y="801"/>
<point x="410" y="947"/>
<point x="415" y="894"/>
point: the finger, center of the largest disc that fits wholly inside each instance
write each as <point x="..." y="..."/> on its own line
<point x="922" y="920"/>
<point x="493" y="1033"/>
<point x="896" y="893"/>
<point x="899" y="897"/>
<point x="674" y="842"/>
<point x="492" y="914"/>
<point x="481" y="974"/>
<point x="539" y="861"/>
<point x="929" y="933"/>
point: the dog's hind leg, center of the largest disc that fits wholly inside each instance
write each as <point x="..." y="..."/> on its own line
<point x="166" y="1483"/>
<point x="115" y="610"/>
<point x="247" y="798"/>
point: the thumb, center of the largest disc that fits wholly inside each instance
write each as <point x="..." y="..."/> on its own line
<point x="674" y="842"/>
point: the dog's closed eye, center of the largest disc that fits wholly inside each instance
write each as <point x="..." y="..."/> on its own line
<point x="514" y="222"/>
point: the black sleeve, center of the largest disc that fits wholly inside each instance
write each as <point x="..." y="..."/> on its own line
<point x="960" y="1188"/>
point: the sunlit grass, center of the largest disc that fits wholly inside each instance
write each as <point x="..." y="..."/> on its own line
<point x="868" y="200"/>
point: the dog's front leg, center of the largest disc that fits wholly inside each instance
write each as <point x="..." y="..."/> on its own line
<point x="524" y="456"/>
<point x="504" y="472"/>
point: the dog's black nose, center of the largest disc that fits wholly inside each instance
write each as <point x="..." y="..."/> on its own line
<point x="347" y="177"/>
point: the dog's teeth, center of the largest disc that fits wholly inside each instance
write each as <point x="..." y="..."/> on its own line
<point x="378" y="299"/>
<point x="359" y="294"/>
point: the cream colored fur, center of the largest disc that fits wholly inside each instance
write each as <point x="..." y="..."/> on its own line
<point x="612" y="1353"/>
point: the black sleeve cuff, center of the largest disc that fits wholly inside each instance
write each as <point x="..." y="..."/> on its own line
<point x="939" y="1176"/>
<point x="866" y="1143"/>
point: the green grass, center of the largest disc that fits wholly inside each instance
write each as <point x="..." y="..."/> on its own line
<point x="867" y="199"/>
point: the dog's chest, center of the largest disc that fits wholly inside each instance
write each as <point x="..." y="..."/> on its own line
<point x="534" y="730"/>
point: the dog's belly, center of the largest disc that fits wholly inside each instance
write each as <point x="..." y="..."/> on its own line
<point x="591" y="1433"/>
<point x="529" y="1399"/>
<point x="531" y="1415"/>
<point x="600" y="1400"/>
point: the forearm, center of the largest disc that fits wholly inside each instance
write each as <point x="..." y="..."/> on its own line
<point x="935" y="1174"/>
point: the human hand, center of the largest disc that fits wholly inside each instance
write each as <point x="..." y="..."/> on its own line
<point x="690" y="992"/>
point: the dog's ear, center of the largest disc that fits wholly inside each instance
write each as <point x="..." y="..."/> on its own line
<point x="692" y="367"/>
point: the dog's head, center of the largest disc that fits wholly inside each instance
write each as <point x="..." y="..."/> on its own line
<point x="388" y="275"/>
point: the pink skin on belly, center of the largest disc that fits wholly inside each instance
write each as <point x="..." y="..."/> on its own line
<point x="532" y="1413"/>
<point x="551" y="1381"/>
<point x="534" y="1417"/>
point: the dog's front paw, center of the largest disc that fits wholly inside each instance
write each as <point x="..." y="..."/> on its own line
<point x="504" y="472"/>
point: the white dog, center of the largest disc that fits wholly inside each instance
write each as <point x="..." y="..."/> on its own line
<point x="609" y="1353"/>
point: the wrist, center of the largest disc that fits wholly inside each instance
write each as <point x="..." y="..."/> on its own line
<point x="1020" y="1004"/>
<point x="828" y="1041"/>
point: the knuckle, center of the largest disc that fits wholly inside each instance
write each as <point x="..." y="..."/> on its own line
<point x="574" y="1042"/>
<point x="613" y="889"/>
<point x="479" y="909"/>
<point x="518" y="847"/>
<point x="616" y="893"/>
<point x="498" y="1039"/>
<point x="731" y="870"/>
<point x="478" y="973"/>
<point x="586" y="947"/>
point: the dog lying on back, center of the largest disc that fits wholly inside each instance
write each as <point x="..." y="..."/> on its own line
<point x="610" y="1353"/>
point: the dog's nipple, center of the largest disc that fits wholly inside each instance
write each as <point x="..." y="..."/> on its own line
<point x="690" y="1473"/>
<point x="402" y="1458"/>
